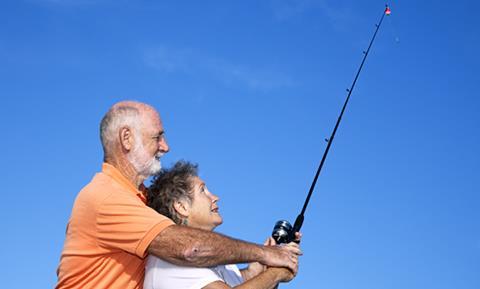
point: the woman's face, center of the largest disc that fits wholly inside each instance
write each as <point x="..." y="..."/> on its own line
<point x="203" y="210"/>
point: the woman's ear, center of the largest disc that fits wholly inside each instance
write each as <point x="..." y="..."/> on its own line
<point x="182" y="207"/>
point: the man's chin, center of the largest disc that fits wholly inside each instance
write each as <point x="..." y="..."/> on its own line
<point x="150" y="170"/>
<point x="154" y="168"/>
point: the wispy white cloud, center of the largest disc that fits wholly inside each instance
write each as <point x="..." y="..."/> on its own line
<point x="75" y="2"/>
<point x="286" y="9"/>
<point x="191" y="62"/>
<point x="169" y="60"/>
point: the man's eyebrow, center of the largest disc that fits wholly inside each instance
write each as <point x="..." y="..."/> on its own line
<point x="159" y="133"/>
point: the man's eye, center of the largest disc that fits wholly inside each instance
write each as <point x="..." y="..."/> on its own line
<point x="158" y="137"/>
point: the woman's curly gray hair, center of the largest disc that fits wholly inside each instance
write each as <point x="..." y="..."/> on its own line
<point x="171" y="185"/>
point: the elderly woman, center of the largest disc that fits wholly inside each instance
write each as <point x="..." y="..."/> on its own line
<point x="181" y="195"/>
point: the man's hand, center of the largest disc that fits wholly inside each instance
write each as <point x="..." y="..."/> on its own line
<point x="282" y="256"/>
<point x="298" y="237"/>
<point x="257" y="272"/>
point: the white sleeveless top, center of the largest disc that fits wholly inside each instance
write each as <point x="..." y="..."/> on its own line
<point x="160" y="274"/>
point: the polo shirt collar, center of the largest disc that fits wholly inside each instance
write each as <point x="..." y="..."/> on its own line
<point x="115" y="174"/>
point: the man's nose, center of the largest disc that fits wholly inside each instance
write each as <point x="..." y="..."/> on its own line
<point x="163" y="145"/>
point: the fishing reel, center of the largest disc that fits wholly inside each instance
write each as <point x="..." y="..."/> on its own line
<point x="283" y="232"/>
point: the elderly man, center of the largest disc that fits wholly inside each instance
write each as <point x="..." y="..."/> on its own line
<point x="111" y="230"/>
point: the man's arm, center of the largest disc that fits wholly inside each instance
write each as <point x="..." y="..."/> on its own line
<point x="188" y="246"/>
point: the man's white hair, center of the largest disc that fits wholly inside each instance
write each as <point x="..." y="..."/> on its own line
<point x="120" y="115"/>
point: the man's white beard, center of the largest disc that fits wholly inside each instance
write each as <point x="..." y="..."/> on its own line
<point x="142" y="162"/>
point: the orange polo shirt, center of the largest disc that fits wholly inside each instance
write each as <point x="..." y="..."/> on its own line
<point x="108" y="234"/>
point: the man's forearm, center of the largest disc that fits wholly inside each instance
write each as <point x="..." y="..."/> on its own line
<point x="194" y="247"/>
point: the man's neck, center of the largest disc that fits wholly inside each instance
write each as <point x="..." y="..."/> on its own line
<point x="127" y="170"/>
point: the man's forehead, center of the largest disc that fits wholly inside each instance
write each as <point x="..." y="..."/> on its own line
<point x="152" y="120"/>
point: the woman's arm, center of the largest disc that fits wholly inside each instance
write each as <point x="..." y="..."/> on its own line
<point x="252" y="270"/>
<point x="266" y="280"/>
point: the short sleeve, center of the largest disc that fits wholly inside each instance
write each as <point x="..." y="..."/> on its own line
<point x="124" y="222"/>
<point x="230" y="274"/>
<point x="160" y="274"/>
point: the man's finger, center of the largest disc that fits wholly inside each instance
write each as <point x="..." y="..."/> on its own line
<point x="298" y="237"/>
<point x="293" y="244"/>
<point x="293" y="249"/>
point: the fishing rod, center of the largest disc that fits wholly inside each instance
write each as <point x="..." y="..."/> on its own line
<point x="283" y="232"/>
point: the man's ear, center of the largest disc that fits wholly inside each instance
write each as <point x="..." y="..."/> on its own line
<point x="182" y="207"/>
<point x="126" y="138"/>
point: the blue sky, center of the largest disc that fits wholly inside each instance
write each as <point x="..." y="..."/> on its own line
<point x="249" y="90"/>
